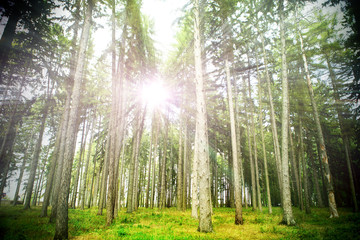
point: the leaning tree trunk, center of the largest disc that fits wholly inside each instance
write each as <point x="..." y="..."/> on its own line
<point x="205" y="222"/>
<point x="320" y="136"/>
<point x="344" y="133"/>
<point x="288" y="218"/>
<point x="61" y="229"/>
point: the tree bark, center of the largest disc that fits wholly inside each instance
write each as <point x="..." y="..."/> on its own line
<point x="61" y="229"/>
<point x="205" y="222"/>
<point x="320" y="136"/>
<point x="236" y="159"/>
<point x="344" y="133"/>
<point x="252" y="170"/>
<point x="288" y="218"/>
<point x="263" y="146"/>
<point x="272" y="117"/>
<point x="303" y="163"/>
<point x="79" y="164"/>
<point x="35" y="158"/>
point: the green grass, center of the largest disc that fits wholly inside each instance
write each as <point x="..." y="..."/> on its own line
<point x="16" y="223"/>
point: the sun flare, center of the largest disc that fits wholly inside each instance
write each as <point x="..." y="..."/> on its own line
<point x="154" y="94"/>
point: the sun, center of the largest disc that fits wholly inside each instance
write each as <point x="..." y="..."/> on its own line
<point x="154" y="95"/>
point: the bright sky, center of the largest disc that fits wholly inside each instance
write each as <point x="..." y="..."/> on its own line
<point x="164" y="13"/>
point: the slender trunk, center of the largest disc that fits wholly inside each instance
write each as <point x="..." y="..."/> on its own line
<point x="253" y="130"/>
<point x="150" y="158"/>
<point x="303" y="163"/>
<point x="320" y="136"/>
<point x="272" y="117"/>
<point x="35" y="158"/>
<point x="195" y="179"/>
<point x="79" y="165"/>
<point x="65" y="117"/>
<point x="185" y="166"/>
<point x="180" y="171"/>
<point x="97" y="184"/>
<point x="263" y="147"/>
<point x="132" y="175"/>
<point x="154" y="164"/>
<point x="22" y="169"/>
<point x="288" y="218"/>
<point x="205" y="222"/>
<point x="344" y="133"/>
<point x="83" y="186"/>
<point x="163" y="167"/>
<point x="104" y="177"/>
<point x="252" y="170"/>
<point x="61" y="229"/>
<point x="295" y="171"/>
<point x="236" y="159"/>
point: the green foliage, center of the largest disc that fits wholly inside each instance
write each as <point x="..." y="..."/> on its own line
<point x="171" y="224"/>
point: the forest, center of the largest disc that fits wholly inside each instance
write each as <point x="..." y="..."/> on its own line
<point x="245" y="125"/>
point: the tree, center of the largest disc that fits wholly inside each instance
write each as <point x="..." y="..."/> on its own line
<point x="205" y="222"/>
<point x="286" y="196"/>
<point x="61" y="230"/>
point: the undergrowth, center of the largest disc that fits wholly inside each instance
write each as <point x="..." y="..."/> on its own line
<point x="16" y="223"/>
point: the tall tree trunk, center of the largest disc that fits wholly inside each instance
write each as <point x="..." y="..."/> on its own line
<point x="252" y="170"/>
<point x="286" y="194"/>
<point x="79" y="164"/>
<point x="154" y="163"/>
<point x="195" y="179"/>
<point x="303" y="163"/>
<point x="344" y="132"/>
<point x="236" y="159"/>
<point x="295" y="171"/>
<point x="180" y="171"/>
<point x="205" y="222"/>
<point x="132" y="175"/>
<point x="22" y="169"/>
<point x="320" y="136"/>
<point x="150" y="158"/>
<point x="64" y="120"/>
<point x="7" y="38"/>
<point x="35" y="158"/>
<point x="61" y="229"/>
<point x="104" y="177"/>
<point x="185" y="166"/>
<point x="263" y="146"/>
<point x="163" y="167"/>
<point x="253" y="130"/>
<point x="272" y="116"/>
<point x="83" y="186"/>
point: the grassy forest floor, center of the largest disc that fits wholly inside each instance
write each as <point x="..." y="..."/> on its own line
<point x="16" y="223"/>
